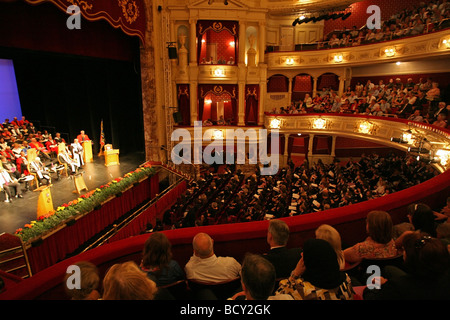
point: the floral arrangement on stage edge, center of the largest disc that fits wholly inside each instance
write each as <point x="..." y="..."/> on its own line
<point x="84" y="204"/>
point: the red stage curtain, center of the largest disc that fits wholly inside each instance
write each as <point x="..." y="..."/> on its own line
<point x="184" y="104"/>
<point x="217" y="26"/>
<point x="277" y="83"/>
<point x="328" y="80"/>
<point x="251" y="104"/>
<point x="128" y="15"/>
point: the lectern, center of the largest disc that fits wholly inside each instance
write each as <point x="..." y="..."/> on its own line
<point x="87" y="147"/>
<point x="79" y="183"/>
<point x="45" y="201"/>
<point x="111" y="156"/>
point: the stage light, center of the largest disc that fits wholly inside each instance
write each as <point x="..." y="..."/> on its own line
<point x="398" y="140"/>
<point x="418" y="150"/>
<point x="348" y="14"/>
<point x="225" y="2"/>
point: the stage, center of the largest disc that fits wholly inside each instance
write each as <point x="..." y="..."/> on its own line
<point x="19" y="212"/>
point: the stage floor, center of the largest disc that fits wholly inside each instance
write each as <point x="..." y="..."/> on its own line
<point x="19" y="212"/>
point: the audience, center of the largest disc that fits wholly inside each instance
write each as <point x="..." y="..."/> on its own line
<point x="89" y="282"/>
<point x="379" y="243"/>
<point x="427" y="277"/>
<point x="125" y="281"/>
<point x="205" y="266"/>
<point x="317" y="275"/>
<point x="330" y="234"/>
<point x="258" y="279"/>
<point x="283" y="259"/>
<point x="157" y="260"/>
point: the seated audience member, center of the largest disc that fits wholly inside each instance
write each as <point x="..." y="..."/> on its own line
<point x="426" y="275"/>
<point x="77" y="152"/>
<point x="440" y="121"/>
<point x="8" y="185"/>
<point x="157" y="260"/>
<point x="317" y="275"/>
<point x="88" y="285"/>
<point x="42" y="173"/>
<point x="205" y="266"/>
<point x="378" y="244"/>
<point x="283" y="259"/>
<point x="330" y="234"/>
<point x="423" y="219"/>
<point x="258" y="279"/>
<point x="125" y="281"/>
<point x="443" y="233"/>
<point x="416" y="116"/>
<point x="441" y="109"/>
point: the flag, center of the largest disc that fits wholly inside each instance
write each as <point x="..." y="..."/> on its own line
<point x="102" y="134"/>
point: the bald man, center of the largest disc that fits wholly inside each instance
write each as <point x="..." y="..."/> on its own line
<point x="204" y="265"/>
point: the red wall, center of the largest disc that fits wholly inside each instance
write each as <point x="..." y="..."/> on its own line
<point x="359" y="16"/>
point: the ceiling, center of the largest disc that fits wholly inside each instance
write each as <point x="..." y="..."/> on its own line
<point x="286" y="8"/>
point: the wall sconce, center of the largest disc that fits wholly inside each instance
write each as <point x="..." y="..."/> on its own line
<point x="218" y="134"/>
<point x="446" y="43"/>
<point x="389" y="52"/>
<point x="338" y="58"/>
<point x="219" y="72"/>
<point x="408" y="137"/>
<point x="290" y="61"/>
<point x="366" y="127"/>
<point x="208" y="101"/>
<point x="232" y="43"/>
<point x="320" y="123"/>
<point x="444" y="156"/>
<point x="275" y="124"/>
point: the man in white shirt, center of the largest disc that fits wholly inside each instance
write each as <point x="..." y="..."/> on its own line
<point x="205" y="266"/>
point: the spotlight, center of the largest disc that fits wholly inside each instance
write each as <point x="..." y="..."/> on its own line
<point x="346" y="16"/>
<point x="225" y="2"/>
<point x="398" y="140"/>
<point x="295" y="22"/>
<point x="418" y="150"/>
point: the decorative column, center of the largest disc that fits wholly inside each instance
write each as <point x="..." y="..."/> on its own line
<point x="333" y="147"/>
<point x="314" y="86"/>
<point x="286" y="151"/>
<point x="241" y="103"/>
<point x="242" y="41"/>
<point x="193" y="42"/>
<point x="262" y="41"/>
<point x="152" y="112"/>
<point x="290" y="91"/>
<point x="310" y="147"/>
<point x="182" y="53"/>
<point x="341" y="86"/>
<point x="193" y="101"/>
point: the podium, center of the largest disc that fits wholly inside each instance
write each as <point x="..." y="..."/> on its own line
<point x="79" y="183"/>
<point x="111" y="156"/>
<point x="87" y="154"/>
<point x="45" y="201"/>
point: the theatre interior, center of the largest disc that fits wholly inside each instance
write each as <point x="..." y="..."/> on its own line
<point x="213" y="116"/>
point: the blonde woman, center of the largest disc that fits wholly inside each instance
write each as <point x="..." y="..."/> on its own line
<point x="330" y="234"/>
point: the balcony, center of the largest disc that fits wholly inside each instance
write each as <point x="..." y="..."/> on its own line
<point x="430" y="45"/>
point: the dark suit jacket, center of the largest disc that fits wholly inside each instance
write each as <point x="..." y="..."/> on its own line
<point x="284" y="260"/>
